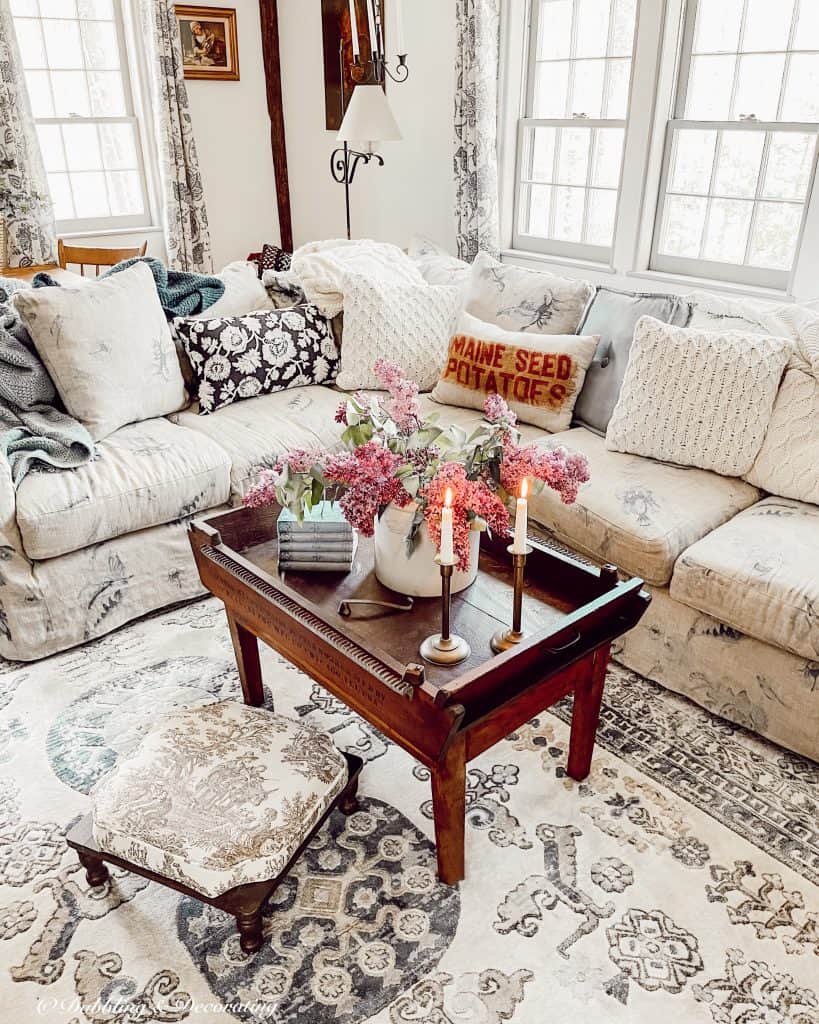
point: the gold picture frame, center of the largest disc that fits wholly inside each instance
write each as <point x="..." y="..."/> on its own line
<point x="210" y="50"/>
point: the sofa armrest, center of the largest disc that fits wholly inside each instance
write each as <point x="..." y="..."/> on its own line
<point x="19" y="589"/>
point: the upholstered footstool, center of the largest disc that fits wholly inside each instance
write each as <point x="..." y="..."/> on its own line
<point x="217" y="802"/>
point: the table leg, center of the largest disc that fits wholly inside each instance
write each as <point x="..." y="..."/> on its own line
<point x="449" y="811"/>
<point x="246" y="648"/>
<point x="588" y="696"/>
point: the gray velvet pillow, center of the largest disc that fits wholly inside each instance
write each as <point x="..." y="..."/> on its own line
<point x="614" y="315"/>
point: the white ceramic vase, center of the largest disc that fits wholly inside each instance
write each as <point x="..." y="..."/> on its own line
<point x="418" y="574"/>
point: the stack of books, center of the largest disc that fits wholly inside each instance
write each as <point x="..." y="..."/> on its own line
<point x="322" y="542"/>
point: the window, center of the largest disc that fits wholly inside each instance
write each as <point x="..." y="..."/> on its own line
<point x="570" y="141"/>
<point x="740" y="151"/>
<point x="81" y="98"/>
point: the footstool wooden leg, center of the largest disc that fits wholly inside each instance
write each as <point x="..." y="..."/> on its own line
<point x="348" y="804"/>
<point x="96" y="873"/>
<point x="249" y="924"/>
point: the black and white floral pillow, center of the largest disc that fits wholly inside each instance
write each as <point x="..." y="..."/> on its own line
<point x="271" y="350"/>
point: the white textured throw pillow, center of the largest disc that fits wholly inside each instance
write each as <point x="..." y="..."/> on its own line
<point x="108" y="349"/>
<point x="408" y="324"/>
<point x="788" y="464"/>
<point x="518" y="299"/>
<point x="697" y="398"/>
<point x="437" y="265"/>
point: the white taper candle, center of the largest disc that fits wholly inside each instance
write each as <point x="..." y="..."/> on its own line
<point x="371" y="22"/>
<point x="354" y="29"/>
<point x="447" y="541"/>
<point x="400" y="40"/>
<point x="521" y="520"/>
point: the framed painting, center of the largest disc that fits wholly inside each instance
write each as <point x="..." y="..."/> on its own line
<point x="340" y="74"/>
<point x="209" y="47"/>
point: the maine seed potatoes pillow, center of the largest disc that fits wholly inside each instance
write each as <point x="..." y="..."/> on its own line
<point x="539" y="375"/>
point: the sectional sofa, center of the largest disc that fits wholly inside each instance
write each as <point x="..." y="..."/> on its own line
<point x="734" y="571"/>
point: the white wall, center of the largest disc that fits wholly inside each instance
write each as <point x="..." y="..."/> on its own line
<point x="232" y="133"/>
<point x="414" y="191"/>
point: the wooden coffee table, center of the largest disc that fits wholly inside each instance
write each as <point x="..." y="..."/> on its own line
<point x="442" y="716"/>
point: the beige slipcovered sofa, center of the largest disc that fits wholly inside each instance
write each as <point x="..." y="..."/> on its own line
<point x="734" y="571"/>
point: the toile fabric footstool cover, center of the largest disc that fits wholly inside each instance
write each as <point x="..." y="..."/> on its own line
<point x="218" y="796"/>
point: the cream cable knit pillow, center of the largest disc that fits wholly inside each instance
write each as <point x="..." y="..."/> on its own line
<point x="408" y="324"/>
<point x="697" y="398"/>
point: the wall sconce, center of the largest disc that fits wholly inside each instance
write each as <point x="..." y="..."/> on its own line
<point x="369" y="118"/>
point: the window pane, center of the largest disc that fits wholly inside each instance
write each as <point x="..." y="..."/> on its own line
<point x="51" y="146"/>
<point x="82" y="148"/>
<point x="100" y="45"/>
<point x="30" y="41"/>
<point x="119" y="146"/>
<point x="718" y="26"/>
<point x="807" y="27"/>
<point x="709" y="90"/>
<point x="587" y="92"/>
<point x="602" y="209"/>
<point x="107" y="97"/>
<point x="551" y="89"/>
<point x="767" y="25"/>
<point x="683" y="222"/>
<point x="802" y="89"/>
<point x="775" y="234"/>
<point x="790" y="158"/>
<point x="90" y="194"/>
<point x="608" y="157"/>
<point x="692" y="161"/>
<point x="740" y="157"/>
<point x="58" y="8"/>
<point x="125" y="192"/>
<point x="61" y="196"/>
<point x="616" y="100"/>
<point x="555" y="29"/>
<point x="625" y="12"/>
<point x="39" y="93"/>
<point x="727" y="232"/>
<point x="24" y="8"/>
<point x="573" y="158"/>
<point x="539" y="206"/>
<point x="569" y="205"/>
<point x="543" y="162"/>
<point x="592" y="28"/>
<point x="70" y="93"/>
<point x="62" y="39"/>
<point x="758" y="85"/>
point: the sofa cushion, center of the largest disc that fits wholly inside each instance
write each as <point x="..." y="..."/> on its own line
<point x="759" y="574"/>
<point x="146" y="474"/>
<point x="256" y="432"/>
<point x="639" y="514"/>
<point x="218" y="796"/>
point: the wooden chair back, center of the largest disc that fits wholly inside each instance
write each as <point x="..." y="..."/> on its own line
<point x="88" y="256"/>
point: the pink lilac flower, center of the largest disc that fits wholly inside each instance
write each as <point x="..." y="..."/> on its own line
<point x="498" y="412"/>
<point x="558" y="468"/>
<point x="263" y="492"/>
<point x="341" y="414"/>
<point x="468" y="496"/>
<point x="368" y="474"/>
<point x="403" y="406"/>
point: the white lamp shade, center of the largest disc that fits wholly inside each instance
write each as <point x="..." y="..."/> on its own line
<point x="369" y="118"/>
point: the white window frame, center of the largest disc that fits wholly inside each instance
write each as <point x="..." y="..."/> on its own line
<point x="757" y="277"/>
<point x="654" y="78"/>
<point x="525" y="153"/>
<point x="84" y="226"/>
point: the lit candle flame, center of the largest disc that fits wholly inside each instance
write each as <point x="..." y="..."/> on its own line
<point x="524" y="487"/>
<point x="448" y="497"/>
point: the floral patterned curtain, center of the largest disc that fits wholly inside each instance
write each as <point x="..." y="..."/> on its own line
<point x="185" y="218"/>
<point x="25" y="203"/>
<point x="477" y="60"/>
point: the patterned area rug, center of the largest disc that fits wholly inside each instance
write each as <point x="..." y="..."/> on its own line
<point x="679" y="882"/>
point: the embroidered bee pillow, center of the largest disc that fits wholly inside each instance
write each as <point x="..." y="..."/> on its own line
<point x="518" y="299"/>
<point x="540" y="376"/>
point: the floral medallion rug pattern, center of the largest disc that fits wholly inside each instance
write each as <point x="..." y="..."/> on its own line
<point x="680" y="881"/>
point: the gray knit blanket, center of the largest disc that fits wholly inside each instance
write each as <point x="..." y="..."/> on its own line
<point x="34" y="429"/>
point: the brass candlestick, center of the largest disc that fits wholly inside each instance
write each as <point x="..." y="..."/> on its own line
<point x="441" y="648"/>
<point x="506" y="638"/>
